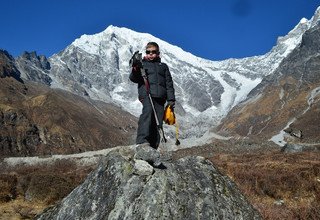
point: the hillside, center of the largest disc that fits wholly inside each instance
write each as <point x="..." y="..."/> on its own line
<point x="38" y="120"/>
<point x="287" y="101"/>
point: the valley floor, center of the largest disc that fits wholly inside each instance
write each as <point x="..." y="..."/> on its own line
<point x="279" y="185"/>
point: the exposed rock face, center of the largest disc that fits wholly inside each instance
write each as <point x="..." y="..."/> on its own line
<point x="7" y="67"/>
<point x="18" y="135"/>
<point x="34" y="67"/>
<point x="123" y="187"/>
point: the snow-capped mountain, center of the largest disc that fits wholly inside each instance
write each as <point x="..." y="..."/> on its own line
<point x="284" y="107"/>
<point x="97" y="66"/>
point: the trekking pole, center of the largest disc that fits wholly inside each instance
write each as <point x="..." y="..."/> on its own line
<point x="138" y="58"/>
<point x="147" y="85"/>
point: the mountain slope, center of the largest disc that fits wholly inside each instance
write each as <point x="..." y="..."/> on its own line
<point x="38" y="120"/>
<point x="7" y="66"/>
<point x="288" y="99"/>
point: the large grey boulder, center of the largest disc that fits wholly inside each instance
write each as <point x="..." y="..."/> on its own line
<point x="187" y="188"/>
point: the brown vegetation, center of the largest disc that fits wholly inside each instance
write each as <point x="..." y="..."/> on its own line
<point x="37" y="120"/>
<point x="27" y="190"/>
<point x="279" y="185"/>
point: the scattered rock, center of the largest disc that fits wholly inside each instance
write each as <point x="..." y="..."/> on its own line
<point x="295" y="148"/>
<point x="142" y="168"/>
<point x="292" y="148"/>
<point x="294" y="132"/>
<point x="279" y="202"/>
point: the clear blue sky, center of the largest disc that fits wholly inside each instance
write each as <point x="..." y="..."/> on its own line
<point x="211" y="29"/>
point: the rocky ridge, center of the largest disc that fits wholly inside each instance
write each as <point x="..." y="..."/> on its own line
<point x="33" y="67"/>
<point x="7" y="66"/>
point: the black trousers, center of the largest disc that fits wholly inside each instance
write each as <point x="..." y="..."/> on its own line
<point x="147" y="126"/>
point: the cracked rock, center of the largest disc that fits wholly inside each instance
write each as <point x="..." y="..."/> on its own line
<point x="189" y="188"/>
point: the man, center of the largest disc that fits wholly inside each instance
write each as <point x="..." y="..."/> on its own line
<point x="161" y="89"/>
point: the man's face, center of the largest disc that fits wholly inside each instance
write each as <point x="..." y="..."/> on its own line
<point x="152" y="53"/>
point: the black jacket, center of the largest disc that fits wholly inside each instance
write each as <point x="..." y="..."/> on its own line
<point x="160" y="80"/>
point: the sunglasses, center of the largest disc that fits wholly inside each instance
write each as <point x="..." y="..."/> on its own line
<point x="151" y="52"/>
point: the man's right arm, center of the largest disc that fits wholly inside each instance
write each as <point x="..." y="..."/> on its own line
<point x="135" y="75"/>
<point x="136" y="64"/>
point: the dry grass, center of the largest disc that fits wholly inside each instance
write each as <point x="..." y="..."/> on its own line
<point x="280" y="186"/>
<point x="20" y="209"/>
<point x="27" y="190"/>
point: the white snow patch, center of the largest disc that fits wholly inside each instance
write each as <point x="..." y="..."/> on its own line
<point x="279" y="138"/>
<point x="303" y="20"/>
<point x="281" y="94"/>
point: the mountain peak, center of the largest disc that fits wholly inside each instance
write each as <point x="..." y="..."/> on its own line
<point x="7" y="67"/>
<point x="315" y="18"/>
<point x="303" y="20"/>
<point x="317" y="11"/>
<point x="118" y="30"/>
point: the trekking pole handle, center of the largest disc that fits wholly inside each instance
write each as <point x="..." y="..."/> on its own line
<point x="136" y="60"/>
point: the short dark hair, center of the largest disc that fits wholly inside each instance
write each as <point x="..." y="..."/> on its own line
<point x="152" y="44"/>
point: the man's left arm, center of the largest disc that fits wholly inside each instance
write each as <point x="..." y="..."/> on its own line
<point x="169" y="86"/>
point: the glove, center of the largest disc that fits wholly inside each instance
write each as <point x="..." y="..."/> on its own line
<point x="135" y="60"/>
<point x="171" y="104"/>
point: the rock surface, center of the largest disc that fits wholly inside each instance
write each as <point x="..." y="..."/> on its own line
<point x="7" y="67"/>
<point x="34" y="67"/>
<point x="295" y="148"/>
<point x="187" y="188"/>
